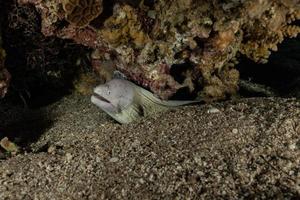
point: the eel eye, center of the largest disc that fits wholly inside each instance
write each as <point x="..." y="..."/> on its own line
<point x="107" y="90"/>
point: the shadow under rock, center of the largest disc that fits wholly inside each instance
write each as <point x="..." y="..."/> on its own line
<point x="281" y="73"/>
<point x="23" y="126"/>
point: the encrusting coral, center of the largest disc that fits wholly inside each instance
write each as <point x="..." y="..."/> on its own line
<point x="4" y="74"/>
<point x="263" y="35"/>
<point x="43" y="69"/>
<point x="167" y="46"/>
<point x="81" y="12"/>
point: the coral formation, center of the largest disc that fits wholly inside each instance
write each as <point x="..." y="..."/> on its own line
<point x="167" y="46"/>
<point x="4" y="74"/>
<point x="269" y="27"/>
<point x="9" y="146"/>
<point x="42" y="68"/>
<point x="81" y="12"/>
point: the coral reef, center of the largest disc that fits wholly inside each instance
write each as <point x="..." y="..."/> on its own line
<point x="282" y="72"/>
<point x="168" y="46"/>
<point x="81" y="12"/>
<point x="4" y="74"/>
<point x="269" y="27"/>
<point x="43" y="69"/>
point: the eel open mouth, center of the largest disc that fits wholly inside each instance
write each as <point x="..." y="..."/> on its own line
<point x="101" y="98"/>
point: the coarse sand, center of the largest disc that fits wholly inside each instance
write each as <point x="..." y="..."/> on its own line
<point x="239" y="149"/>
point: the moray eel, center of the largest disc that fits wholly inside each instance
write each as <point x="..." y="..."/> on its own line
<point x="126" y="102"/>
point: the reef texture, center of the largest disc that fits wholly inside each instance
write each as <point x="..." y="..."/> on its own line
<point x="170" y="45"/>
<point x="4" y="74"/>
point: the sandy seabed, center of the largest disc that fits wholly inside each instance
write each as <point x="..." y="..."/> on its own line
<point x="247" y="148"/>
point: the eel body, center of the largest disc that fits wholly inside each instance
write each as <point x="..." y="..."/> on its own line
<point x="127" y="102"/>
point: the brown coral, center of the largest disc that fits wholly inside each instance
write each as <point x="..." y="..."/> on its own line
<point x="81" y="12"/>
<point x="291" y="31"/>
<point x="123" y="27"/>
<point x="269" y="28"/>
<point x="4" y="74"/>
<point x="4" y="77"/>
<point x="168" y="45"/>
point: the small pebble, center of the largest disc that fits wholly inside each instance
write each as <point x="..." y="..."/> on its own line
<point x="235" y="131"/>
<point x="213" y="110"/>
<point x="114" y="159"/>
<point x="51" y="149"/>
<point x="69" y="156"/>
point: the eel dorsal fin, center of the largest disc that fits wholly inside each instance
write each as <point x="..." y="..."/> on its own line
<point x="150" y="97"/>
<point x="144" y="104"/>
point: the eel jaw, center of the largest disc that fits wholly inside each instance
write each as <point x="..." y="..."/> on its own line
<point x="100" y="98"/>
<point x="104" y="104"/>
